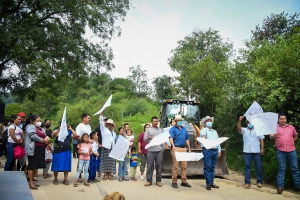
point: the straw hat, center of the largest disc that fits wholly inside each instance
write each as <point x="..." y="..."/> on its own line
<point x="203" y="120"/>
<point x="110" y="121"/>
<point x="178" y="118"/>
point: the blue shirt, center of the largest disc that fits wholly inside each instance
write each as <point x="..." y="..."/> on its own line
<point x="211" y="134"/>
<point x="133" y="163"/>
<point x="179" y="136"/>
<point x="251" y="141"/>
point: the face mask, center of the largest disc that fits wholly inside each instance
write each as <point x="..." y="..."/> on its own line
<point x="179" y="123"/>
<point x="38" y="124"/>
<point x="48" y="125"/>
<point x="209" y="124"/>
<point x="250" y="126"/>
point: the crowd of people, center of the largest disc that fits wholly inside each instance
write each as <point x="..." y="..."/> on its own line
<point x="92" y="148"/>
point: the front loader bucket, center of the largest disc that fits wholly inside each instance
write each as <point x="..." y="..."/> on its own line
<point x="194" y="167"/>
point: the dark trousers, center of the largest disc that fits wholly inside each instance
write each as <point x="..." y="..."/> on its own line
<point x="10" y="161"/>
<point x="94" y="163"/>
<point x="75" y="151"/>
<point x="154" y="157"/>
<point x="2" y="148"/>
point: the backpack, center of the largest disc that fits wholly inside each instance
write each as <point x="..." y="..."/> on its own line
<point x="5" y="136"/>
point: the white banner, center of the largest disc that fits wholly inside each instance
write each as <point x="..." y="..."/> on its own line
<point x="120" y="149"/>
<point x="160" y="139"/>
<point x="265" y="123"/>
<point x="185" y="156"/>
<point x="63" y="133"/>
<point x="107" y="103"/>
<point x="254" y="109"/>
<point x="208" y="144"/>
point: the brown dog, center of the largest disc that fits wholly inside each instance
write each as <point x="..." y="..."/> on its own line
<point x="114" y="196"/>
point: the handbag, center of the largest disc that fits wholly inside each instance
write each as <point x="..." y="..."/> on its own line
<point x="19" y="152"/>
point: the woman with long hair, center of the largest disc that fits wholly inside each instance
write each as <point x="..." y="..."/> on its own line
<point x="36" y="142"/>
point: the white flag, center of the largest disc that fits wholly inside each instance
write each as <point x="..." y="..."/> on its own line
<point x="107" y="103"/>
<point x="254" y="109"/>
<point x="63" y="127"/>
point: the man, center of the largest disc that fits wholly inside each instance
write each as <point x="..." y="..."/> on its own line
<point x="179" y="139"/>
<point x="285" y="150"/>
<point x="154" y="153"/>
<point x="81" y="128"/>
<point x="210" y="155"/>
<point x="98" y="131"/>
<point x="253" y="149"/>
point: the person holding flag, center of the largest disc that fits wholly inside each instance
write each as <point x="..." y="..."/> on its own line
<point x="62" y="154"/>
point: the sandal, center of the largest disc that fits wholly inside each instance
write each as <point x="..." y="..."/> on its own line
<point x="110" y="178"/>
<point x="33" y="187"/>
<point x="133" y="179"/>
<point x="86" y="184"/>
<point x="48" y="175"/>
<point x="98" y="175"/>
<point x="55" y="182"/>
<point x="75" y="184"/>
<point x="66" y="182"/>
<point x="45" y="176"/>
<point x="36" y="185"/>
<point x="105" y="177"/>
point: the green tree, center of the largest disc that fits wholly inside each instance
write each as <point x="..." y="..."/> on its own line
<point x="12" y="109"/>
<point x="164" y="87"/>
<point x="122" y="85"/>
<point x="42" y="42"/>
<point x="139" y="78"/>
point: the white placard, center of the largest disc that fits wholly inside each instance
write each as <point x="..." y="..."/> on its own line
<point x="120" y="149"/>
<point x="265" y="123"/>
<point x="185" y="156"/>
<point x="254" y="109"/>
<point x="160" y="139"/>
<point x="208" y="144"/>
<point x="107" y="103"/>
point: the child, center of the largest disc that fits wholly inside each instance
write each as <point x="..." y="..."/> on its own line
<point x="133" y="163"/>
<point x="94" y="158"/>
<point x="130" y="138"/>
<point x="84" y="151"/>
<point x="48" y="159"/>
<point x="122" y="164"/>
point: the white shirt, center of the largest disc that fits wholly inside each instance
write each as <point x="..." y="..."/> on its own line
<point x="108" y="137"/>
<point x="83" y="128"/>
<point x="251" y="141"/>
<point x="18" y="133"/>
<point x="95" y="147"/>
<point x="211" y="134"/>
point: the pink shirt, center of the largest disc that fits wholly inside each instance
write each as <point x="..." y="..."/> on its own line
<point x="285" y="138"/>
<point x="85" y="147"/>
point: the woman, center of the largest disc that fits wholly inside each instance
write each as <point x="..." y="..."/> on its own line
<point x="14" y="139"/>
<point x="143" y="151"/>
<point x="35" y="144"/>
<point x="62" y="156"/>
<point x="47" y="124"/>
<point x="108" y="164"/>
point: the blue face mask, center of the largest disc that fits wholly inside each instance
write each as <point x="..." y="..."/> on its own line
<point x="179" y="123"/>
<point x="209" y="124"/>
<point x="250" y="126"/>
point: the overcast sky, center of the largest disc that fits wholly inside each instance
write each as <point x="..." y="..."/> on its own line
<point x="152" y="28"/>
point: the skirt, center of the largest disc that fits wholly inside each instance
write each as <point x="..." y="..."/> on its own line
<point x="62" y="162"/>
<point x="108" y="164"/>
<point x="37" y="161"/>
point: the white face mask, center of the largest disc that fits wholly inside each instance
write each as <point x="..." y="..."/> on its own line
<point x="38" y="124"/>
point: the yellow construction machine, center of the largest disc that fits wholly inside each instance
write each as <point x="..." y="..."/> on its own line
<point x="189" y="110"/>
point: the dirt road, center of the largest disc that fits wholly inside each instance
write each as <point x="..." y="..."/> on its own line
<point x="229" y="190"/>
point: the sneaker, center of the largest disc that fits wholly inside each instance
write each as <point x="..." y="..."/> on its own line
<point x="125" y="179"/>
<point x="247" y="186"/>
<point x="142" y="177"/>
<point x="174" y="185"/>
<point x="120" y="179"/>
<point x="259" y="185"/>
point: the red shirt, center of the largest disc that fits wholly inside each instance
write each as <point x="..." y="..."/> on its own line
<point x="143" y="144"/>
<point x="285" y="138"/>
<point x="41" y="134"/>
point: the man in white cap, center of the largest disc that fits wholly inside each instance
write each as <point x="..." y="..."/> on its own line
<point x="179" y="139"/>
<point x="210" y="155"/>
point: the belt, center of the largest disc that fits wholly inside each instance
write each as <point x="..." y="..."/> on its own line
<point x="209" y="149"/>
<point x="180" y="146"/>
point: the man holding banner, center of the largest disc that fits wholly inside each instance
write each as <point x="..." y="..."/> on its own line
<point x="253" y="149"/>
<point x="179" y="139"/>
<point x="154" y="153"/>
<point x="285" y="150"/>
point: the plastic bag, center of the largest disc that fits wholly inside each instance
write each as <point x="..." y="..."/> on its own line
<point x="19" y="152"/>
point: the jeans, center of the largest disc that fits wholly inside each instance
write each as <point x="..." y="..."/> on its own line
<point x="248" y="164"/>
<point x="99" y="151"/>
<point x="94" y="163"/>
<point x="210" y="161"/>
<point x="122" y="167"/>
<point x="10" y="161"/>
<point x="154" y="157"/>
<point x="282" y="157"/>
<point x="143" y="162"/>
<point x="81" y="164"/>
